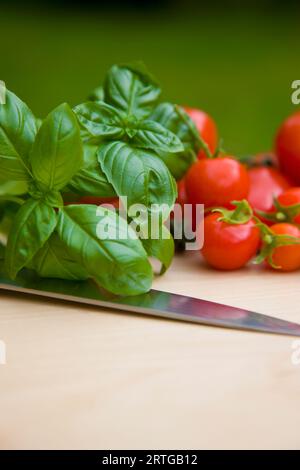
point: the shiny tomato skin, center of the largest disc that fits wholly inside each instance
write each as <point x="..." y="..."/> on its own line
<point x="290" y="197"/>
<point x="265" y="184"/>
<point x="207" y="129"/>
<point x="287" y="258"/>
<point x="217" y="182"/>
<point x="288" y="147"/>
<point x="227" y="246"/>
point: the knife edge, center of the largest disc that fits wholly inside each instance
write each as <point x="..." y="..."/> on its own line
<point x="163" y="305"/>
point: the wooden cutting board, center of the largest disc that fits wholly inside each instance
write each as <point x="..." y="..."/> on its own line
<point x="80" y="377"/>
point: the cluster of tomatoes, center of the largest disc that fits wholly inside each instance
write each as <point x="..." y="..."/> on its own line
<point x="252" y="206"/>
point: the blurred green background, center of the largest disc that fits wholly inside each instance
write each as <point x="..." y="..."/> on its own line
<point x="237" y="63"/>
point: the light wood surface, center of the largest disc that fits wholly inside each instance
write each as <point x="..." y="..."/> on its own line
<point x="81" y="377"/>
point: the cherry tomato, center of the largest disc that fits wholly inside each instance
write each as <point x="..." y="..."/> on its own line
<point x="286" y="258"/>
<point x="229" y="246"/>
<point x="265" y="184"/>
<point x="206" y="127"/>
<point x="288" y="198"/>
<point x="288" y="147"/>
<point x="216" y="182"/>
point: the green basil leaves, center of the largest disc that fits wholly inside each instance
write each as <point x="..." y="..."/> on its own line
<point x="54" y="260"/>
<point x="51" y="156"/>
<point x="31" y="228"/>
<point x="90" y="180"/>
<point x="122" y="143"/>
<point x="120" y="265"/>
<point x="18" y="128"/>
<point x="57" y="152"/>
<point x="152" y="135"/>
<point x="141" y="145"/>
<point x="100" y="121"/>
<point x="138" y="174"/>
<point x="131" y="89"/>
<point x="175" y="119"/>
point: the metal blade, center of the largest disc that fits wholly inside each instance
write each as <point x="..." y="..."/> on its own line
<point x="154" y="303"/>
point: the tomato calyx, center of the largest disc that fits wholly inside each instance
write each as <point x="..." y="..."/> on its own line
<point x="271" y="241"/>
<point x="240" y="215"/>
<point x="282" y="213"/>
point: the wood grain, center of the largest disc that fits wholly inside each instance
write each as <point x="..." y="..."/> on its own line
<point x="81" y="377"/>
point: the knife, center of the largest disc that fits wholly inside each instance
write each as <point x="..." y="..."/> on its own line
<point x="154" y="303"/>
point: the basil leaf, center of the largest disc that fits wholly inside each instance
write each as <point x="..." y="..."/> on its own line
<point x="18" y="129"/>
<point x="39" y="122"/>
<point x="8" y="211"/>
<point x="175" y="119"/>
<point x="99" y="121"/>
<point x="131" y="90"/>
<point x="119" y="265"/>
<point x="161" y="248"/>
<point x="138" y="174"/>
<point x="13" y="199"/>
<point x="179" y="163"/>
<point x="152" y="135"/>
<point x="52" y="198"/>
<point x="178" y="121"/>
<point x="2" y="251"/>
<point x="13" y="188"/>
<point x="57" y="151"/>
<point x="90" y="180"/>
<point x="97" y="94"/>
<point x="53" y="260"/>
<point x="31" y="227"/>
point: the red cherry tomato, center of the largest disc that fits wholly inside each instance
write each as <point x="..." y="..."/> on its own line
<point x="288" y="198"/>
<point x="288" y="147"/>
<point x="206" y="127"/>
<point x="228" y="246"/>
<point x="286" y="258"/>
<point x="217" y="182"/>
<point x="265" y="184"/>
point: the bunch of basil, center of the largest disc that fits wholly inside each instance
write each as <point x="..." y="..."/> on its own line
<point x="120" y="143"/>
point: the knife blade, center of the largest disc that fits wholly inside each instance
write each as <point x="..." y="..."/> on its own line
<point x="154" y="303"/>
